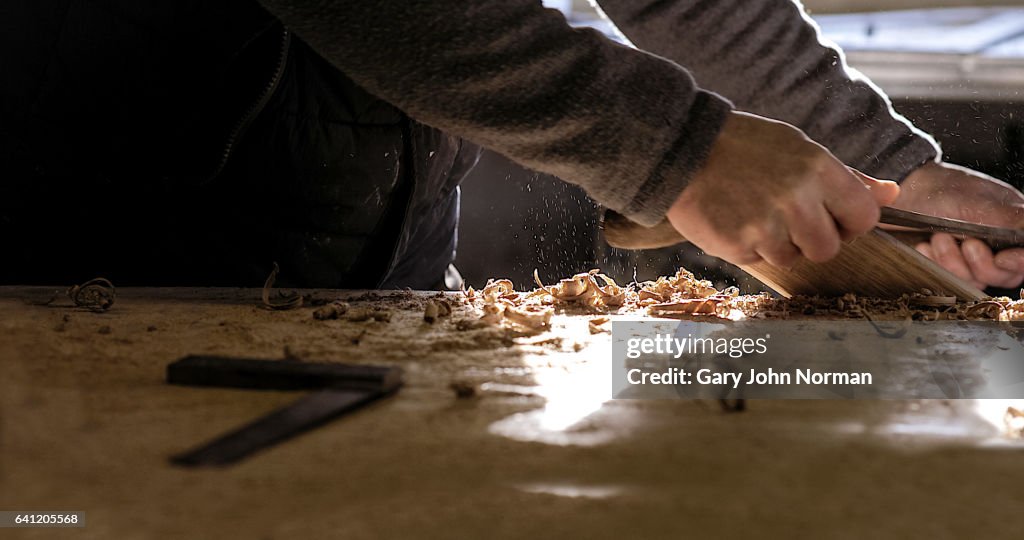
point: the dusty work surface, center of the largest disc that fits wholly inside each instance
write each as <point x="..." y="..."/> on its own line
<point x="87" y="424"/>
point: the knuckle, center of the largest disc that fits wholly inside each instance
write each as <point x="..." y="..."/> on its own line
<point x="864" y="219"/>
<point x="744" y="258"/>
<point x="870" y="214"/>
<point x="729" y="251"/>
<point x="822" y="251"/>
<point x="778" y="250"/>
<point x="797" y="213"/>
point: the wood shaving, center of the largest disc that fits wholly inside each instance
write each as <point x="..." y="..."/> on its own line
<point x="96" y="295"/>
<point x="288" y="300"/>
<point x="430" y="312"/>
<point x="683" y="286"/>
<point x="435" y="309"/>
<point x="1012" y="311"/>
<point x="532" y="317"/>
<point x="584" y="289"/>
<point x="696" y="306"/>
<point x="331" y="311"/>
<point x="934" y="301"/>
<point x="464" y="325"/>
<point x="596" y="325"/>
<point x="1014" y="422"/>
<point x="360" y="314"/>
<point x="500" y="305"/>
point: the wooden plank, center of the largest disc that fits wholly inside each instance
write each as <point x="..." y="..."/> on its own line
<point x="876" y="264"/>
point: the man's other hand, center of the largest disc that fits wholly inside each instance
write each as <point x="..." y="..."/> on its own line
<point x="944" y="190"/>
<point x="768" y="192"/>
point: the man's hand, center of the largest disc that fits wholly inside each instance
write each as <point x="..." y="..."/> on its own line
<point x="768" y="192"/>
<point x="945" y="190"/>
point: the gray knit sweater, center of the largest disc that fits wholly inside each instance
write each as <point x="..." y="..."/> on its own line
<point x="628" y="126"/>
<point x="766" y="56"/>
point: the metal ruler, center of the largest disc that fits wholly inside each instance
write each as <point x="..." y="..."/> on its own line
<point x="340" y="389"/>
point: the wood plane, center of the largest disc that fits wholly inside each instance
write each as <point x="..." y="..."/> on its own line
<point x="875" y="264"/>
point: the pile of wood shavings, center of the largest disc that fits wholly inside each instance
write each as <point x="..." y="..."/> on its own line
<point x="593" y="292"/>
<point x="685" y="296"/>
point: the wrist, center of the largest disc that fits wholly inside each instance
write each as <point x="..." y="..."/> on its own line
<point x="923" y="184"/>
<point x="923" y="171"/>
<point x="681" y="162"/>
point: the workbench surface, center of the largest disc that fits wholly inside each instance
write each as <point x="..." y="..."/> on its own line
<point x="87" y="423"/>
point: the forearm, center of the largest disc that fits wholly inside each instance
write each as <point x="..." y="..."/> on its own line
<point x="510" y="75"/>
<point x="766" y="57"/>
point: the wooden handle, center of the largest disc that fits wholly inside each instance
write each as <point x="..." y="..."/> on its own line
<point x="623" y="233"/>
<point x="996" y="237"/>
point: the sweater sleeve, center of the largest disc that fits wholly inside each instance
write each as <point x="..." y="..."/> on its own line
<point x="768" y="58"/>
<point x="628" y="126"/>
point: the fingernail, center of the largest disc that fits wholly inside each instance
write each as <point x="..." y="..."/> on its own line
<point x="1010" y="260"/>
<point x="973" y="251"/>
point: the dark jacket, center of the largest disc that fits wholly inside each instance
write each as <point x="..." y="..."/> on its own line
<point x="198" y="142"/>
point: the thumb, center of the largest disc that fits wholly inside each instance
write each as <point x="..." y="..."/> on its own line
<point x="885" y="192"/>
